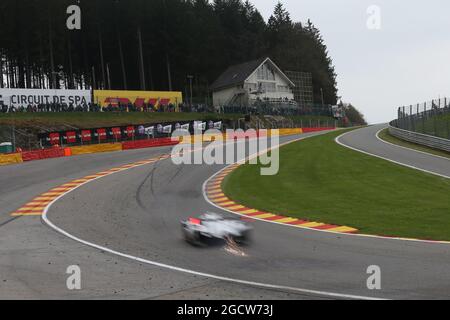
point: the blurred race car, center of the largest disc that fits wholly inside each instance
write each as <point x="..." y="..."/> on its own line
<point x="214" y="226"/>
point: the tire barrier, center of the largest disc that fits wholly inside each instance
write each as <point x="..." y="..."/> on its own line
<point x="152" y="143"/>
<point x="107" y="147"/>
<point x="43" y="154"/>
<point x="11" y="158"/>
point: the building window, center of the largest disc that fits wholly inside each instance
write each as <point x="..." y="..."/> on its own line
<point x="267" y="86"/>
<point x="284" y="89"/>
<point x="265" y="73"/>
<point x="251" y="87"/>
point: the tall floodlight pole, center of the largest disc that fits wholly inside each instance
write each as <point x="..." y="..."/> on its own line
<point x="50" y="43"/>
<point x="109" y="76"/>
<point x="102" y="62"/>
<point x="141" y="59"/>
<point x="94" y="82"/>
<point x="119" y="39"/>
<point x="169" y="72"/>
<point x="190" y="77"/>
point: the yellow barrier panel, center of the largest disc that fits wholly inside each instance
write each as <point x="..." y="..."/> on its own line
<point x="6" y="159"/>
<point x="107" y="147"/>
<point x="157" y="98"/>
<point x="289" y="132"/>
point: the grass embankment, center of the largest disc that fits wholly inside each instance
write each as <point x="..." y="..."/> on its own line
<point x="84" y="120"/>
<point x="322" y="181"/>
<point x="384" y="135"/>
<point x="103" y="119"/>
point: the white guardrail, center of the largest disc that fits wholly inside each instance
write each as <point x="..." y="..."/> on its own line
<point x="420" y="138"/>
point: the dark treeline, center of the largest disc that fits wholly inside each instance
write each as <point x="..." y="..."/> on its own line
<point x="179" y="38"/>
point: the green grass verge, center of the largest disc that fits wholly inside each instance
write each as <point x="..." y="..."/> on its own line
<point x="386" y="136"/>
<point x="103" y="119"/>
<point x="109" y="119"/>
<point x="322" y="181"/>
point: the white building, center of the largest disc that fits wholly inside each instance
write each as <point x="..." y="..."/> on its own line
<point x="252" y="82"/>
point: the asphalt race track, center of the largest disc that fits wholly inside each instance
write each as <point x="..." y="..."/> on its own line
<point x="137" y="213"/>
<point x="364" y="140"/>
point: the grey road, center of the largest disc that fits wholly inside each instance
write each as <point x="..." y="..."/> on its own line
<point x="365" y="140"/>
<point x="137" y="213"/>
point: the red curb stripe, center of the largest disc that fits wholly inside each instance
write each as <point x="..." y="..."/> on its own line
<point x="295" y="223"/>
<point x="228" y="205"/>
<point x="325" y="227"/>
<point x="243" y="209"/>
<point x="28" y="211"/>
<point x="256" y="213"/>
<point x="275" y="218"/>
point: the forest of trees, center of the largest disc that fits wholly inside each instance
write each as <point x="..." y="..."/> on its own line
<point x="179" y="38"/>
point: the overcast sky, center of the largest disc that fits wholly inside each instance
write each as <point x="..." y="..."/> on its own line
<point x="405" y="62"/>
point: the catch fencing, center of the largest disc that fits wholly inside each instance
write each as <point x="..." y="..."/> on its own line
<point x="427" y="124"/>
<point x="430" y="118"/>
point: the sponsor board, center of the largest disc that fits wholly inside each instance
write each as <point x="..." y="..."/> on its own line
<point x="24" y="97"/>
<point x="158" y="99"/>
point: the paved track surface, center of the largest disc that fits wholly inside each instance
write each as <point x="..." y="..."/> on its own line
<point x="365" y="140"/>
<point x="137" y="212"/>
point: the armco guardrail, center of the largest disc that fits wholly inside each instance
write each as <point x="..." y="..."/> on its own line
<point x="420" y="138"/>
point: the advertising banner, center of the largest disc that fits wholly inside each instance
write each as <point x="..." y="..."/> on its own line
<point x="24" y="97"/>
<point x="167" y="129"/>
<point x="150" y="130"/>
<point x="86" y="135"/>
<point x="104" y="98"/>
<point x="71" y="137"/>
<point x="199" y="125"/>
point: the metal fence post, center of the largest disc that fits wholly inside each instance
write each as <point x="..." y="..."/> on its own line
<point x="423" y="117"/>
<point x="434" y="121"/>
<point x="405" y="119"/>
<point x="410" y="118"/>
<point x="448" y="128"/>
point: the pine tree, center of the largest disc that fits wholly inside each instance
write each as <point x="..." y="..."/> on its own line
<point x="179" y="38"/>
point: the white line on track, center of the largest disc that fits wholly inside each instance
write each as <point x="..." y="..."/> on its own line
<point x="410" y="149"/>
<point x="47" y="221"/>
<point x="387" y="159"/>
